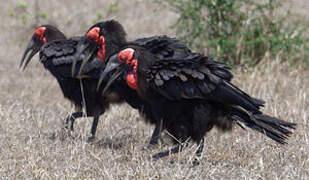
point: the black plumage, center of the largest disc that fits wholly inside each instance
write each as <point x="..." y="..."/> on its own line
<point x="190" y="93"/>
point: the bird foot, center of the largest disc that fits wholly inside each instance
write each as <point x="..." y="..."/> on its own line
<point x="151" y="146"/>
<point x="53" y="136"/>
<point x="195" y="162"/>
<point x="159" y="155"/>
<point x="91" y="138"/>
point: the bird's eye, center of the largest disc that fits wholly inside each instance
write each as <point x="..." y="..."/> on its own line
<point x="122" y="59"/>
<point x="126" y="55"/>
<point x="90" y="38"/>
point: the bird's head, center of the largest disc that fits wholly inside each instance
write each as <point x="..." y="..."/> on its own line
<point x="102" y="39"/>
<point x="41" y="36"/>
<point x="109" y="36"/>
<point x="123" y="63"/>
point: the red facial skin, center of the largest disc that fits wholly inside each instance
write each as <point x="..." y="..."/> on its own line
<point x="126" y="56"/>
<point x="94" y="35"/>
<point x="39" y="32"/>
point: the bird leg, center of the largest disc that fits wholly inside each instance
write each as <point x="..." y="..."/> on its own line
<point x="71" y="118"/>
<point x="155" y="136"/>
<point x="93" y="128"/>
<point x="198" y="153"/>
<point x="174" y="150"/>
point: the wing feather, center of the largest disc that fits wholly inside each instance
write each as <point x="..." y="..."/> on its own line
<point x="198" y="77"/>
<point x="60" y="55"/>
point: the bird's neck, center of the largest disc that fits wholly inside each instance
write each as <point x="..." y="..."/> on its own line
<point x="131" y="78"/>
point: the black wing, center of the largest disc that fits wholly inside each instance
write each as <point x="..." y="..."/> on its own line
<point x="197" y="77"/>
<point x="58" y="55"/>
<point x="163" y="47"/>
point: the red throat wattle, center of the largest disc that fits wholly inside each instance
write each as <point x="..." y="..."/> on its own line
<point x="39" y="32"/>
<point x="101" y="51"/>
<point x="94" y="35"/>
<point x="132" y="75"/>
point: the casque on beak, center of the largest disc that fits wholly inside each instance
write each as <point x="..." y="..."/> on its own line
<point x="114" y="69"/>
<point x="85" y="50"/>
<point x="33" y="45"/>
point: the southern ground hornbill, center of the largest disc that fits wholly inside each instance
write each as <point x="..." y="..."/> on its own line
<point x="191" y="95"/>
<point x="188" y="93"/>
<point x="57" y="55"/>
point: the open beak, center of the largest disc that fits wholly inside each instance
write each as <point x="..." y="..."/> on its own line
<point x="31" y="46"/>
<point x="85" y="50"/>
<point x="113" y="66"/>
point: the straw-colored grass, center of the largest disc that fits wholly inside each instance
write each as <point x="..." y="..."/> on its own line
<point x="34" y="145"/>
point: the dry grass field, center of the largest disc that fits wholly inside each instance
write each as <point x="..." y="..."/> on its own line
<point x="33" y="144"/>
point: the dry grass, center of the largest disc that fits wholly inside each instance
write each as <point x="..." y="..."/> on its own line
<point x="32" y="110"/>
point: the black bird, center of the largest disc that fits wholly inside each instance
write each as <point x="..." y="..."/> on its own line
<point x="57" y="54"/>
<point x="191" y="94"/>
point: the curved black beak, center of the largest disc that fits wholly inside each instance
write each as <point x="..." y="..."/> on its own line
<point x="35" y="47"/>
<point x="84" y="52"/>
<point x="112" y="65"/>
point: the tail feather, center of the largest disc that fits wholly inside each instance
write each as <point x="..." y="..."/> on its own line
<point x="273" y="131"/>
<point x="256" y="102"/>
<point x="273" y="120"/>
<point x="276" y="129"/>
<point x="229" y="94"/>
